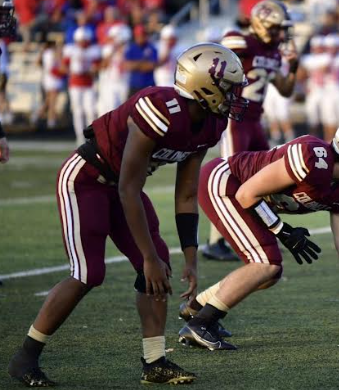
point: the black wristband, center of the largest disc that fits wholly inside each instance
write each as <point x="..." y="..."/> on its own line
<point x="2" y="133"/>
<point x="187" y="226"/>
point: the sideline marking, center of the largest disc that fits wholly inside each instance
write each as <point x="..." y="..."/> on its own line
<point x="52" y="198"/>
<point x="115" y="259"/>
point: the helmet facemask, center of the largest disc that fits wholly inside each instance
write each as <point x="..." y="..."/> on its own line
<point x="234" y="105"/>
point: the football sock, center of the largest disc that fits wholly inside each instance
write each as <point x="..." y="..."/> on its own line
<point x="34" y="342"/>
<point x="217" y="303"/>
<point x="214" y="235"/>
<point x="207" y="294"/>
<point x="36" y="335"/>
<point x="32" y="347"/>
<point x="195" y="306"/>
<point x="207" y="316"/>
<point x="154" y="348"/>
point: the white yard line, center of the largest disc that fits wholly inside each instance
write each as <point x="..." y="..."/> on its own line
<point x="111" y="260"/>
<point x="34" y="162"/>
<point x="49" y="270"/>
<point x="52" y="198"/>
<point x="47" y="146"/>
<point x="27" y="200"/>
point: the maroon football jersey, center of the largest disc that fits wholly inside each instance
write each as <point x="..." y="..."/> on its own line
<point x="309" y="162"/>
<point x="261" y="63"/>
<point x="161" y="114"/>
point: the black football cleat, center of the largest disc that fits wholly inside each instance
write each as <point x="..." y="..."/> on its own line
<point x="219" y="251"/>
<point x="26" y="370"/>
<point x="187" y="313"/>
<point x="203" y="337"/>
<point x="164" y="371"/>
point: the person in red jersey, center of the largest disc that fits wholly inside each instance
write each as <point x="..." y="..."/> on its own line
<point x="100" y="194"/>
<point x="261" y="52"/>
<point x="242" y="196"/>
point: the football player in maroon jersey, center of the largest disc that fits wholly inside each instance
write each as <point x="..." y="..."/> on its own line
<point x="242" y="195"/>
<point x="100" y="193"/>
<point x="260" y="52"/>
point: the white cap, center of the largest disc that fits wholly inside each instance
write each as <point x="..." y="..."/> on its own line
<point x="317" y="41"/>
<point x="120" y="32"/>
<point x="82" y="34"/>
<point x="168" y="31"/>
<point x="335" y="142"/>
<point x="331" y="40"/>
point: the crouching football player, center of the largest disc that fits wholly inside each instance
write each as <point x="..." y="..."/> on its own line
<point x="242" y="196"/>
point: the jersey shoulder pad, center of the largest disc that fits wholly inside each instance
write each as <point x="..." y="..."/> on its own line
<point x="307" y="160"/>
<point x="152" y="114"/>
<point x="234" y="40"/>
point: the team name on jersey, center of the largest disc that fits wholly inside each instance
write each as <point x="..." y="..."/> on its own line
<point x="170" y="155"/>
<point x="308" y="202"/>
<point x="265" y="62"/>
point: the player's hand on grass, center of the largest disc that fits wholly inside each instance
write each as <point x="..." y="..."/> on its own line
<point x="296" y="241"/>
<point x="157" y="274"/>
<point x="189" y="275"/>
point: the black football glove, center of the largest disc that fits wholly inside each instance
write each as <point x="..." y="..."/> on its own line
<point x="294" y="239"/>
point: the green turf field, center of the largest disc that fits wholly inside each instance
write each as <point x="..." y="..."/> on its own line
<point x="288" y="336"/>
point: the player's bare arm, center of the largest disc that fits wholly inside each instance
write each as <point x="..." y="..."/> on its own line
<point x="132" y="179"/>
<point x="285" y="84"/>
<point x="271" y="179"/>
<point x="186" y="204"/>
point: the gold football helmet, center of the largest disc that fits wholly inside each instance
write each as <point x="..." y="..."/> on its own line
<point x="212" y="75"/>
<point x="267" y="18"/>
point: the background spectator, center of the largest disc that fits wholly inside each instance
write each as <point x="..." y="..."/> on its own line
<point x="111" y="18"/>
<point x="168" y="51"/>
<point x="330" y="100"/>
<point x="6" y="116"/>
<point x="26" y="11"/>
<point x="140" y="60"/>
<point x="80" y="62"/>
<point x="312" y="73"/>
<point x="113" y="77"/>
<point x="52" y="81"/>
